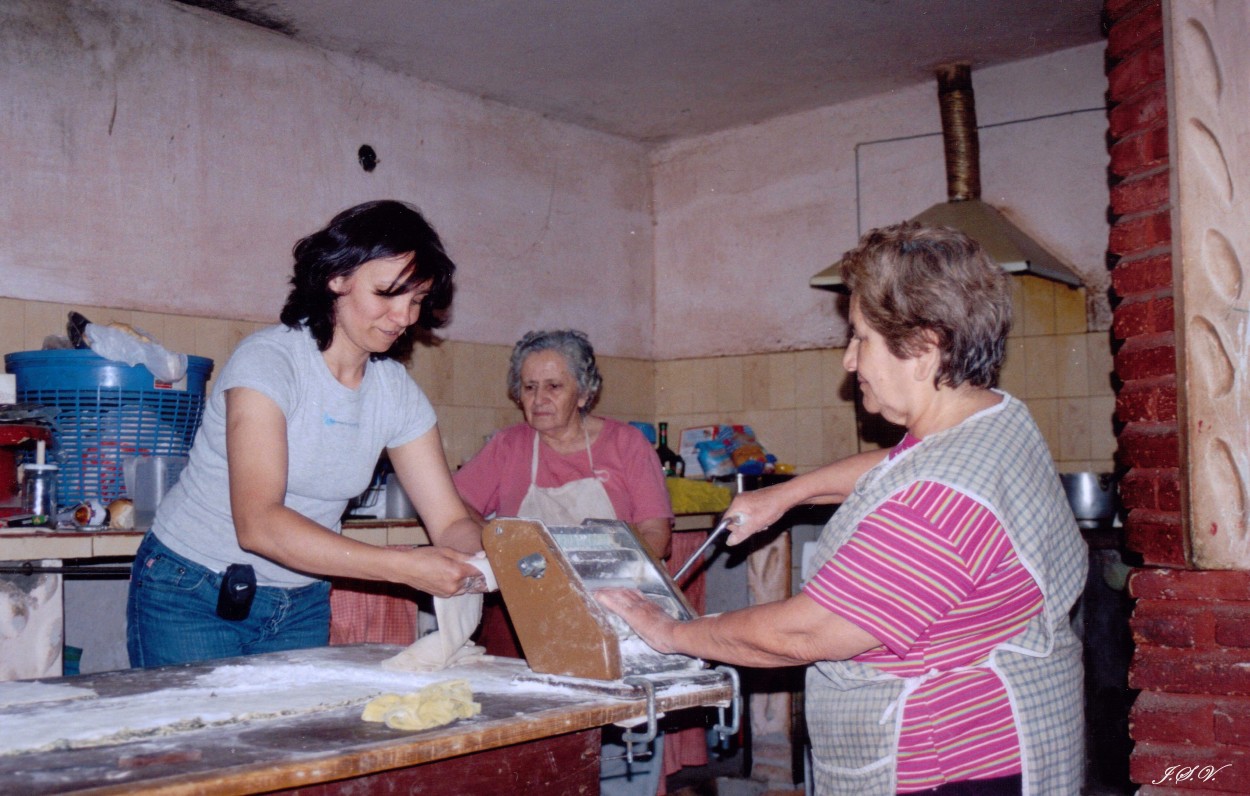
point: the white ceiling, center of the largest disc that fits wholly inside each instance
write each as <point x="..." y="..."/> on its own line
<point x="653" y="70"/>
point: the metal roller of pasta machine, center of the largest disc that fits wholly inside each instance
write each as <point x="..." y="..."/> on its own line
<point x="548" y="576"/>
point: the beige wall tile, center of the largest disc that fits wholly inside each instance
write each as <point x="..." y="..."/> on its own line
<point x="1014" y="377"/>
<point x="728" y="389"/>
<point x="212" y="340"/>
<point x="699" y="390"/>
<point x="41" y="319"/>
<point x="781" y="385"/>
<point x="809" y="440"/>
<point x="1072" y="376"/>
<point x="755" y="375"/>
<point x="1100" y="363"/>
<point x="464" y="430"/>
<point x="835" y="385"/>
<point x="1077" y="466"/>
<point x="480" y="375"/>
<point x="1102" y="442"/>
<point x="151" y="322"/>
<point x="179" y="335"/>
<point x="431" y="367"/>
<point x="12" y="326"/>
<point x="674" y="394"/>
<point x="809" y="378"/>
<point x="1037" y="305"/>
<point x="839" y="433"/>
<point x="1045" y="413"/>
<point x="1070" y="317"/>
<point x="1073" y="429"/>
<point x="1016" y="289"/>
<point x="496" y="359"/>
<point x="628" y="389"/>
<point x="1041" y="357"/>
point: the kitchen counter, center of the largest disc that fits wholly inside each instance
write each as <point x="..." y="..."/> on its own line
<point x="532" y="732"/>
<point x="39" y="545"/>
<point x="36" y="545"/>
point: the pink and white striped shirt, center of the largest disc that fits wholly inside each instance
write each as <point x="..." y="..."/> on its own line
<point x="932" y="574"/>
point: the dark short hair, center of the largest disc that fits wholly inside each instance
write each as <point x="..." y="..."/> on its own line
<point x="911" y="279"/>
<point x="370" y="231"/>
<point x="578" y="355"/>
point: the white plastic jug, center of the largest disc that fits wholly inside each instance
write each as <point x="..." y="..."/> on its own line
<point x="148" y="478"/>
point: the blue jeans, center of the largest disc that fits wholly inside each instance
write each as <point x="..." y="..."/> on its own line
<point x="171" y="613"/>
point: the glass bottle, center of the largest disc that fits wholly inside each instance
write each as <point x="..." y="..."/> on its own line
<point x="673" y="464"/>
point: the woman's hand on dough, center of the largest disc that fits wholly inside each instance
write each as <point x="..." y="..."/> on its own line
<point x="442" y="572"/>
<point x="646" y="618"/>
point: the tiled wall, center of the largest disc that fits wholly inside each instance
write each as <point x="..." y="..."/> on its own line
<point x="465" y="381"/>
<point x="800" y="403"/>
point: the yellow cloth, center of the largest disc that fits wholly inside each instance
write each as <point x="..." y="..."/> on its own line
<point x="690" y="496"/>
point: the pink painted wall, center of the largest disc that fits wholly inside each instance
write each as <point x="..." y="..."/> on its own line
<point x="160" y="158"/>
<point x="746" y="217"/>
<point x="156" y="157"/>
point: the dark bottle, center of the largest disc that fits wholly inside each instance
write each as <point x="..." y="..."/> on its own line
<point x="672" y="463"/>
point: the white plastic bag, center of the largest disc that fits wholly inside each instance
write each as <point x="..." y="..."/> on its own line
<point x="136" y="348"/>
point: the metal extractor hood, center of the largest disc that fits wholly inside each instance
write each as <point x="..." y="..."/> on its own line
<point x="1010" y="246"/>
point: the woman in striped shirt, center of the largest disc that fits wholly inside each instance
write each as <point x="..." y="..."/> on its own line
<point x="938" y="619"/>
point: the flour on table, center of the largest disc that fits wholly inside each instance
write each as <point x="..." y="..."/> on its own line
<point x="226" y="695"/>
<point x="21" y="692"/>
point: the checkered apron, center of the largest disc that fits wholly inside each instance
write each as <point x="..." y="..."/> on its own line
<point x="854" y="711"/>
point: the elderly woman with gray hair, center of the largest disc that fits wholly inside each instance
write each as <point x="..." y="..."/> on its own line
<point x="937" y="617"/>
<point x="564" y="465"/>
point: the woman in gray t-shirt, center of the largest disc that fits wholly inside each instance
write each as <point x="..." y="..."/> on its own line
<point x="237" y="558"/>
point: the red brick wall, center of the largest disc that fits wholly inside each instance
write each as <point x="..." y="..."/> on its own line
<point x="1191" y="722"/>
<point x="1140" y="248"/>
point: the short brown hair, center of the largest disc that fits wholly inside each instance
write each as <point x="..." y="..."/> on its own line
<point x="911" y="279"/>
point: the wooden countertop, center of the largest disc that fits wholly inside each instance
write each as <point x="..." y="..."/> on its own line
<point x="36" y="545"/>
<point x="250" y="752"/>
<point x="39" y="545"/>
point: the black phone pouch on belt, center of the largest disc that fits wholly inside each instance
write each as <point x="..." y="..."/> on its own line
<point x="238" y="589"/>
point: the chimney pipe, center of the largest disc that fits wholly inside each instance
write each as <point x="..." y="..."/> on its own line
<point x="959" y="132"/>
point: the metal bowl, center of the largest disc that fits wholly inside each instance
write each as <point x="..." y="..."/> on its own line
<point x="1092" y="496"/>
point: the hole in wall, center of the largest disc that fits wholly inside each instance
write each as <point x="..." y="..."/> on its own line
<point x="367" y="157"/>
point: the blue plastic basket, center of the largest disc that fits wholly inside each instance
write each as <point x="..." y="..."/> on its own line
<point x="108" y="411"/>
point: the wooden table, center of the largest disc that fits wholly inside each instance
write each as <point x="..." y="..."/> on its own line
<point x="530" y="733"/>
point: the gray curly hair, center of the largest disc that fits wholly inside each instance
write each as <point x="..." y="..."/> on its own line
<point x="578" y="355"/>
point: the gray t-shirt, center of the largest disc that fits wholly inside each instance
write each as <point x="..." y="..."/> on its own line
<point x="334" y="438"/>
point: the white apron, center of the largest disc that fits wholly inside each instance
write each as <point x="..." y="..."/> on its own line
<point x="569" y="504"/>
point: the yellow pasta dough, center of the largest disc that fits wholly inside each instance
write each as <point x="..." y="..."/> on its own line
<point x="433" y="706"/>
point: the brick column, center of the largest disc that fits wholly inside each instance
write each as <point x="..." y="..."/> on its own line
<point x="1191" y="722"/>
<point x="1141" y="248"/>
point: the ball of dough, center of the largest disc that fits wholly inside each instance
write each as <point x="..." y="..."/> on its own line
<point x="122" y="514"/>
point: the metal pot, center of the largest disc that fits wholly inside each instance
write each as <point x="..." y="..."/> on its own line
<point x="1092" y="496"/>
